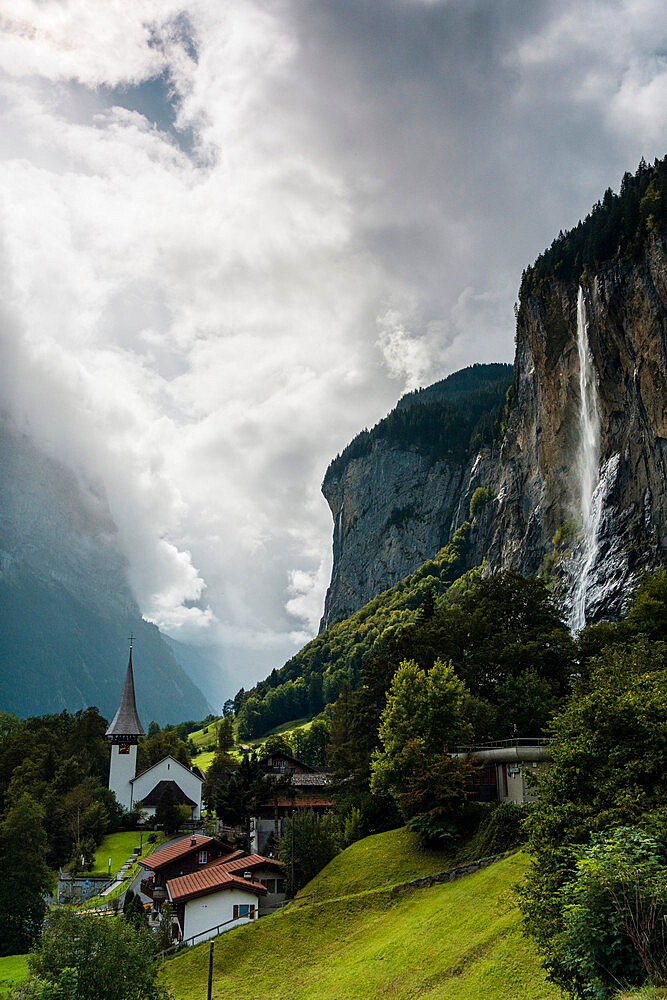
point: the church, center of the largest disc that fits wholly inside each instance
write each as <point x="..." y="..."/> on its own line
<point x="145" y="789"/>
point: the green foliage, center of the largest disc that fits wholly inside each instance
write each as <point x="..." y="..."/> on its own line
<point x="616" y="229"/>
<point x="167" y="811"/>
<point x="62" y="762"/>
<point x="165" y="743"/>
<point x="112" y="959"/>
<point x="482" y="496"/>
<point x="226" y="738"/>
<point x="340" y="653"/>
<point x="502" y="829"/>
<point x="609" y="761"/>
<point x="246" y="789"/>
<point x="421" y="721"/>
<point x="614" y="911"/>
<point x="133" y="910"/>
<point x="310" y="745"/>
<point x="24" y="876"/>
<point x="309" y="842"/>
<point x="438" y="421"/>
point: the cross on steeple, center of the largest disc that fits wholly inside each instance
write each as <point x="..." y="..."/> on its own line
<point x="131" y="640"/>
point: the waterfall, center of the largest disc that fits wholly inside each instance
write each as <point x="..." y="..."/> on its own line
<point x="587" y="466"/>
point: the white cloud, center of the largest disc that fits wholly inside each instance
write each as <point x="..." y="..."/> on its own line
<point x="203" y="325"/>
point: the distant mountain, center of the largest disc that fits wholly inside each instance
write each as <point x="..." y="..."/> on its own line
<point x="66" y="608"/>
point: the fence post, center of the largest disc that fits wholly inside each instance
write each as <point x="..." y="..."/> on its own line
<point x="210" y="970"/>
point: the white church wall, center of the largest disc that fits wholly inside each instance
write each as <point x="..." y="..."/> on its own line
<point x="122" y="769"/>
<point x="168" y="769"/>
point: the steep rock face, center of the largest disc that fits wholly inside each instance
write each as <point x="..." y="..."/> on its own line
<point x="392" y="509"/>
<point x="536" y="481"/>
<point x="66" y="607"/>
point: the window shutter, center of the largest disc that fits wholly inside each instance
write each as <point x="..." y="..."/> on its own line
<point x="252" y="912"/>
<point x="236" y="911"/>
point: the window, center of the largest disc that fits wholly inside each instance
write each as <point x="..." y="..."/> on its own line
<point x="269" y="883"/>
<point x="280" y="885"/>
<point x="203" y="857"/>
<point x="244" y="910"/>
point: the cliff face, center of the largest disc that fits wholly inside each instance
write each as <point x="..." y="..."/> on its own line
<point x="538" y="481"/>
<point x="395" y="491"/>
<point x="392" y="508"/>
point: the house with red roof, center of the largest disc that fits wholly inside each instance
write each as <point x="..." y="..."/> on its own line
<point x="224" y="894"/>
<point x="308" y="791"/>
<point x="211" y="886"/>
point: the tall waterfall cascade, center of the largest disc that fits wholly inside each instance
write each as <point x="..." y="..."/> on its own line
<point x="591" y="486"/>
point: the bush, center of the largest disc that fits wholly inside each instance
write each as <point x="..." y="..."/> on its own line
<point x="501" y="829"/>
<point x="480" y="498"/>
<point x="112" y="960"/>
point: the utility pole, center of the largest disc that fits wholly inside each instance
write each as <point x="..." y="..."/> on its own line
<point x="210" y="970"/>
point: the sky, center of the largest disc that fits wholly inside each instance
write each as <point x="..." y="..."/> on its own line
<point x="233" y="233"/>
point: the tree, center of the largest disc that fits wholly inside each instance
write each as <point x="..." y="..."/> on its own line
<point x="421" y="721"/>
<point x="112" y="959"/>
<point x="309" y="842"/>
<point x="167" y="811"/>
<point x="24" y="876"/>
<point x="133" y="910"/>
<point x="228" y="707"/>
<point x="246" y="790"/>
<point x="226" y="738"/>
<point x="609" y="759"/>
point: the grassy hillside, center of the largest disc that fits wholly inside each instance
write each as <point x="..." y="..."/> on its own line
<point x="376" y="862"/>
<point x="208" y="735"/>
<point x="460" y="941"/>
<point x="13" y="970"/>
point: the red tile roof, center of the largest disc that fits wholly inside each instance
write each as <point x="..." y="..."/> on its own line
<point x="182" y="847"/>
<point x="212" y="878"/>
<point x="242" y="864"/>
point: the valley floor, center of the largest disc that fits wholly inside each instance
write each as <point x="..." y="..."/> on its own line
<point x="458" y="941"/>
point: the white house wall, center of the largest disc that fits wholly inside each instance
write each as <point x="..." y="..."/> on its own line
<point x="169" y="769"/>
<point x="204" y="914"/>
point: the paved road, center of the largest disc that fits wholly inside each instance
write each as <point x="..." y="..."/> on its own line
<point x="142" y="873"/>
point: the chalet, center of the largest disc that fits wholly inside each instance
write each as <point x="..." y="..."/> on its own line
<point x="181" y="858"/>
<point x="308" y="791"/>
<point x="145" y="789"/>
<point x="225" y="893"/>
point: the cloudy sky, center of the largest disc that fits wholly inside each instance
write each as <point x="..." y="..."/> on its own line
<point x="234" y="232"/>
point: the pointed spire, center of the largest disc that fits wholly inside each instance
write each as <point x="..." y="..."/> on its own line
<point x="126" y="720"/>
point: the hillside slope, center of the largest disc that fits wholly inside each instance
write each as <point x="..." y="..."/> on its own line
<point x="459" y="941"/>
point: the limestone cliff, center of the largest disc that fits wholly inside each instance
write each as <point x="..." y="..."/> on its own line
<point x="395" y="492"/>
<point x="536" y="484"/>
<point x="394" y="507"/>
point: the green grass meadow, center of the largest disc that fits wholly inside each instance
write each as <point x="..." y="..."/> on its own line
<point x="458" y="941"/>
<point x="377" y="862"/>
<point x="118" y="847"/>
<point x="13" y="970"/>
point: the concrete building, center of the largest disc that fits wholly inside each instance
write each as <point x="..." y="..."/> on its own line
<point x="511" y="769"/>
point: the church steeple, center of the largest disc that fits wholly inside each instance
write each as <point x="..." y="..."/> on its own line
<point x="126" y="724"/>
<point x="124" y="733"/>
